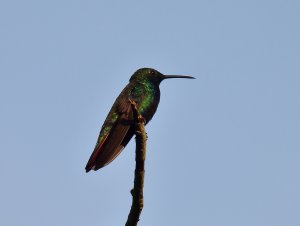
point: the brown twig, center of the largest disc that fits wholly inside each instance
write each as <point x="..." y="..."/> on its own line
<point x="140" y="156"/>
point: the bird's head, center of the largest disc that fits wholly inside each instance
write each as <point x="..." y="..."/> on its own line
<point x="152" y="75"/>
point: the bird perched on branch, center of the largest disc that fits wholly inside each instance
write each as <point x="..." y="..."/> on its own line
<point x="118" y="127"/>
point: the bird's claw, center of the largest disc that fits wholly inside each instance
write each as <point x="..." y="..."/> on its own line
<point x="141" y="119"/>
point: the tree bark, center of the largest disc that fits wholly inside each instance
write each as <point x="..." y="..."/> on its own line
<point x="140" y="156"/>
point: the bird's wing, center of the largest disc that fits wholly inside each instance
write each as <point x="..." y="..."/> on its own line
<point x="114" y="138"/>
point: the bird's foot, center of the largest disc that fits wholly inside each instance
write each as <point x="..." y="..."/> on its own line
<point x="141" y="119"/>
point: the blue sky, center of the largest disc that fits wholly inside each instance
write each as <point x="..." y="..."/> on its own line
<point x="223" y="150"/>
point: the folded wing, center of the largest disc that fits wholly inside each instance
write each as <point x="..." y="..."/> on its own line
<point x="112" y="143"/>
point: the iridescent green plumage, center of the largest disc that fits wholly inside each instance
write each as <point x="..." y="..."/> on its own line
<point x="117" y="130"/>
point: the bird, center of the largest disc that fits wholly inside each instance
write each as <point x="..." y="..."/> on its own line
<point x="118" y="127"/>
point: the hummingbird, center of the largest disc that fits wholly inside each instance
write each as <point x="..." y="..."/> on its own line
<point x="118" y="127"/>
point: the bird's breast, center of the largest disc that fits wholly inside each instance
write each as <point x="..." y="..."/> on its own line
<point x="148" y="100"/>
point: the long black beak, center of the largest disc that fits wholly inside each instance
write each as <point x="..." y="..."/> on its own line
<point x="177" y="76"/>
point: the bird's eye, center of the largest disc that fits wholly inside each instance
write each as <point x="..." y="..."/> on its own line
<point x="152" y="72"/>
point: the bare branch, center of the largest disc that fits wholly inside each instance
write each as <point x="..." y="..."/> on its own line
<point x="137" y="191"/>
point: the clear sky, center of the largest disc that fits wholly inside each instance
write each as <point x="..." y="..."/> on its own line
<point x="223" y="150"/>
